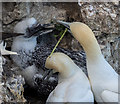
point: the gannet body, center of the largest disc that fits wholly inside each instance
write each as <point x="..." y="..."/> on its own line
<point x="73" y="85"/>
<point x="103" y="78"/>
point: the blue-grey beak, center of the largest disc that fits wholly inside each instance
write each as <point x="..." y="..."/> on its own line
<point x="39" y="29"/>
<point x="66" y="24"/>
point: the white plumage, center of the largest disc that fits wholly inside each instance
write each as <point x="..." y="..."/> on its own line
<point x="20" y="42"/>
<point x="103" y="78"/>
<point x="23" y="25"/>
<point x="73" y="85"/>
<point x="25" y="47"/>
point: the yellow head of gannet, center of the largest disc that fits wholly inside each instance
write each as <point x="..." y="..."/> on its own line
<point x="73" y="85"/>
<point x="86" y="38"/>
<point x="84" y="35"/>
<point x="61" y="63"/>
<point x="103" y="78"/>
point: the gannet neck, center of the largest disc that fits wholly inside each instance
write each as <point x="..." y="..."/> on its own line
<point x="68" y="70"/>
<point x="87" y="39"/>
<point x="61" y="63"/>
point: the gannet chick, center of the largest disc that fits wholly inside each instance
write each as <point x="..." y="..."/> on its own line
<point x="73" y="85"/>
<point x="103" y="78"/>
<point x="25" y="46"/>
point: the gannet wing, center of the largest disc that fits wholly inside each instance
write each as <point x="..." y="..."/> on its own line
<point x="109" y="96"/>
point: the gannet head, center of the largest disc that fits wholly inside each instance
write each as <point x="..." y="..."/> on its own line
<point x="82" y="33"/>
<point x="85" y="36"/>
<point x="61" y="63"/>
<point x="23" y="25"/>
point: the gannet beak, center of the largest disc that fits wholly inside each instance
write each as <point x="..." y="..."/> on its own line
<point x="66" y="24"/>
<point x="39" y="29"/>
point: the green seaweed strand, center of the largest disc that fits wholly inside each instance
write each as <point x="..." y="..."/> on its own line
<point x="58" y="42"/>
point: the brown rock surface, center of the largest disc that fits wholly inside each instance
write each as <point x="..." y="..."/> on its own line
<point x="102" y="18"/>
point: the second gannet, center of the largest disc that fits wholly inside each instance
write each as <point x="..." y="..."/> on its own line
<point x="103" y="78"/>
<point x="73" y="84"/>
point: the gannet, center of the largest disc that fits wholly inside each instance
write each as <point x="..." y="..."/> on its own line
<point x="103" y="78"/>
<point x="73" y="84"/>
<point x="33" y="48"/>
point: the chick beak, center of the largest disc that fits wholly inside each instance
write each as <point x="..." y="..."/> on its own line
<point x="39" y="29"/>
<point x="66" y="24"/>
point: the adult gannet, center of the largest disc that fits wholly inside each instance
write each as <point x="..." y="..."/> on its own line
<point x="73" y="84"/>
<point x="33" y="48"/>
<point x="103" y="78"/>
